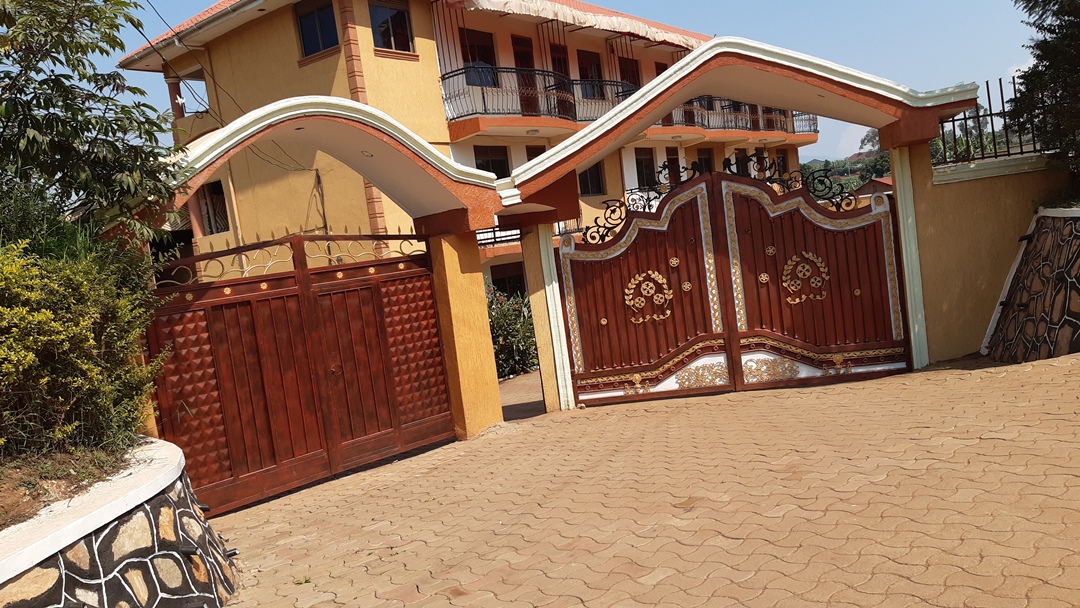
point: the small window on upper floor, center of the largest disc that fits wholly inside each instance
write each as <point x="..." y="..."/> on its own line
<point x="317" y="25"/>
<point x="591" y="180"/>
<point x="391" y="25"/>
<point x="495" y="159"/>
<point x="215" y="213"/>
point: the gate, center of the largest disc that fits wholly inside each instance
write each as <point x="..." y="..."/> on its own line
<point x="724" y="284"/>
<point x="294" y="360"/>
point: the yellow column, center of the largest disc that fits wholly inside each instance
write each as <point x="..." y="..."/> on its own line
<point x="466" y="333"/>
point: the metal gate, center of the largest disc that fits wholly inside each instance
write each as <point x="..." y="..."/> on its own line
<point x="293" y="360"/>
<point x="723" y="284"/>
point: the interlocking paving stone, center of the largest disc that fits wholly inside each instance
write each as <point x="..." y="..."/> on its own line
<point x="950" y="487"/>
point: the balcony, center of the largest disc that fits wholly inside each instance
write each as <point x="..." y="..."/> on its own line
<point x="478" y="91"/>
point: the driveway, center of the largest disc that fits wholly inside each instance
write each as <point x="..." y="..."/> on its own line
<point x="950" y="488"/>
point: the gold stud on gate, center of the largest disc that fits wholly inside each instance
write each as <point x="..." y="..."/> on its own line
<point x="857" y="292"/>
<point x="687" y="286"/>
<point x="603" y="321"/>
<point x="340" y="275"/>
<point x="263" y="286"/>
<point x="763" y="277"/>
<point x="401" y="266"/>
<point x="228" y="291"/>
<point x="770" y="251"/>
<point x="189" y="297"/>
<point x="674" y="262"/>
<point x="371" y="270"/>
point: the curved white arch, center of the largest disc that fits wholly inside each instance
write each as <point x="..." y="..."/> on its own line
<point x="774" y="90"/>
<point x="321" y="122"/>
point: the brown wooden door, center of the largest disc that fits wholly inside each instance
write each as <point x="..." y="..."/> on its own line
<point x="273" y="382"/>
<point x="727" y="286"/>
<point x="528" y="84"/>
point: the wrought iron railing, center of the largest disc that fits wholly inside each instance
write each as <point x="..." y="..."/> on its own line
<point x="493" y="236"/>
<point x="495" y="91"/>
<point x="492" y="91"/>
<point x="985" y="131"/>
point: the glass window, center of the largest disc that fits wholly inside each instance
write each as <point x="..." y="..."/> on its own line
<point x="391" y="25"/>
<point x="318" y="27"/>
<point x="705" y="160"/>
<point x="531" y="152"/>
<point x="591" y="180"/>
<point x="478" y="53"/>
<point x="495" y="159"/>
<point x="214" y="211"/>
<point x="645" y="164"/>
<point x="591" y="74"/>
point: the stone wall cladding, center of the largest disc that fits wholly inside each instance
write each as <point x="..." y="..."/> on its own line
<point x="1040" y="315"/>
<point x="162" y="554"/>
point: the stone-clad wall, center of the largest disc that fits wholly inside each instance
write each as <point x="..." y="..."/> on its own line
<point x="1040" y="314"/>
<point x="161" y="554"/>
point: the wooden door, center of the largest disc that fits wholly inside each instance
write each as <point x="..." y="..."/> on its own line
<point x="528" y="85"/>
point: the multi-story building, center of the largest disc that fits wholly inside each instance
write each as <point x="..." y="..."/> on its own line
<point x="491" y="84"/>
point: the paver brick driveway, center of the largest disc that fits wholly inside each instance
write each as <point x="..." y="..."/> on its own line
<point x="947" y="488"/>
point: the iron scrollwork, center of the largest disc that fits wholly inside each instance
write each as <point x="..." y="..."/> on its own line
<point x="821" y="187"/>
<point x="644" y="199"/>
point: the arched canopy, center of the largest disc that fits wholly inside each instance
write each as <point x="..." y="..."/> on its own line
<point x="418" y="178"/>
<point x="750" y="71"/>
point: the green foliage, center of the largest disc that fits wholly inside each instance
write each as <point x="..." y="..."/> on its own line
<point x="65" y="136"/>
<point x="512" y="333"/>
<point x="71" y="326"/>
<point x="1046" y="101"/>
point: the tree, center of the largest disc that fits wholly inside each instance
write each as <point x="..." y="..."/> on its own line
<point x="1046" y="101"/>
<point x="66" y="138"/>
<point x="880" y="164"/>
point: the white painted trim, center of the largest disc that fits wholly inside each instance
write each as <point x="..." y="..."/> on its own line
<point x="205" y="150"/>
<point x="904" y="188"/>
<point x="1009" y="278"/>
<point x="154" y="466"/>
<point x="563" y="375"/>
<point x="983" y="169"/>
<point x="772" y="54"/>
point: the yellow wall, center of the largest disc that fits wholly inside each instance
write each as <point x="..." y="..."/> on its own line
<point x="968" y="235"/>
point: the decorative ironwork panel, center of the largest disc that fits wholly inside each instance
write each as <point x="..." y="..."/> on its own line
<point x="416" y="355"/>
<point x="190" y="405"/>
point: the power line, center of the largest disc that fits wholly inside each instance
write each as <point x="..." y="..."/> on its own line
<point x="209" y="74"/>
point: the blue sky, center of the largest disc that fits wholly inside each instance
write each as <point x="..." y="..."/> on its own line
<point x="924" y="44"/>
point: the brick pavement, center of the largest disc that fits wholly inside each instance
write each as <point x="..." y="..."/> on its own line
<point x="943" y="488"/>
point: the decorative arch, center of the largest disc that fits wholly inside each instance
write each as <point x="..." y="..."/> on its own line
<point x="420" y="179"/>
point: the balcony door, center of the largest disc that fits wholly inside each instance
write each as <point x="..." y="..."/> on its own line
<point x="525" y="62"/>
<point x="564" y="89"/>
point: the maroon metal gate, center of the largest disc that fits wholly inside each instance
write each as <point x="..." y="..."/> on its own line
<point x="294" y="360"/>
<point x="727" y="285"/>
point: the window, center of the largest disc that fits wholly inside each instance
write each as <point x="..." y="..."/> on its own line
<point x="391" y="26"/>
<point x="560" y="59"/>
<point x="532" y="152"/>
<point x="495" y="159"/>
<point x="742" y="163"/>
<point x="674" y="164"/>
<point x="645" y="164"/>
<point x="630" y="71"/>
<point x="509" y="279"/>
<point x="782" y="162"/>
<point x="478" y="53"/>
<point x="591" y="73"/>
<point x="318" y="29"/>
<point x="705" y="160"/>
<point x="214" y="211"/>
<point x="591" y="180"/>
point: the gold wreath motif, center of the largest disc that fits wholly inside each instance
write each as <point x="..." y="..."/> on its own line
<point x="804" y="270"/>
<point x="655" y="288"/>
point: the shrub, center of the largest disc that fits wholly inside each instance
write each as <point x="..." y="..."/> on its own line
<point x="71" y="327"/>
<point x="512" y="333"/>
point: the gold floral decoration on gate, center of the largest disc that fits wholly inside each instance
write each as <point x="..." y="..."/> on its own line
<point x="649" y="286"/>
<point x="803" y="273"/>
<point x="757" y="371"/>
<point x="704" y="376"/>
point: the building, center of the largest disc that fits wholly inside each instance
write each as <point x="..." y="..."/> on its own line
<point x="491" y="84"/>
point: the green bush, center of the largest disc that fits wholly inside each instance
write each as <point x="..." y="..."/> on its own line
<point x="512" y="333"/>
<point x="71" y="327"/>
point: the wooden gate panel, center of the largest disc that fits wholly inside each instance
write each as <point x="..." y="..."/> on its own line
<point x="620" y="323"/>
<point x="415" y="350"/>
<point x="845" y="279"/>
<point x="190" y="409"/>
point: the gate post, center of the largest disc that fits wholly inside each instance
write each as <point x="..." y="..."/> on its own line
<point x="466" y="333"/>
<point x="542" y="280"/>
<point x="904" y="186"/>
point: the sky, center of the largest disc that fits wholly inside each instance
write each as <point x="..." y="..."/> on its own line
<point x="923" y="44"/>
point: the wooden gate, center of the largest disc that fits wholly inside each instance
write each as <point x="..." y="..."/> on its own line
<point x="727" y="285"/>
<point x="294" y="360"/>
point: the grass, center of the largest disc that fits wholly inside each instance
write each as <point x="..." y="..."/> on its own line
<point x="30" y="483"/>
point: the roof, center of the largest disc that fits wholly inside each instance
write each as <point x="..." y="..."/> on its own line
<point x="568" y="11"/>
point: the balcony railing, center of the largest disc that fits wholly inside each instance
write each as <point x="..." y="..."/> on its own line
<point x="492" y="237"/>
<point x="494" y="91"/>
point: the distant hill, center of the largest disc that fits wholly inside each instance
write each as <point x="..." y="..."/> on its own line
<point x="860" y="156"/>
<point x="816" y="161"/>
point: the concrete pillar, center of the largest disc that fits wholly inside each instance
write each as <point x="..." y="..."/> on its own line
<point x="904" y="189"/>
<point x="466" y="333"/>
<point x="545" y="299"/>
